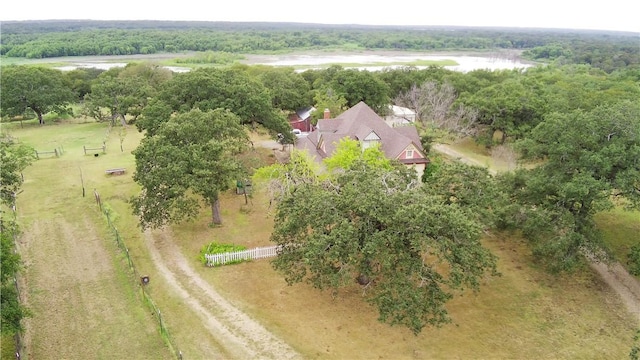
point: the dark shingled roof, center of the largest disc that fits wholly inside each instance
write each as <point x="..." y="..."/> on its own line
<point x="357" y="123"/>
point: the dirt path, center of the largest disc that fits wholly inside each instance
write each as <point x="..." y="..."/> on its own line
<point x="444" y="149"/>
<point x="240" y="336"/>
<point x="623" y="283"/>
<point x="615" y="275"/>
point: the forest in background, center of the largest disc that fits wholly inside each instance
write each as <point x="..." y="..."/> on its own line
<point x="606" y="50"/>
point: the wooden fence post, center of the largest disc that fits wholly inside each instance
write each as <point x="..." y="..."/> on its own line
<point x="95" y="193"/>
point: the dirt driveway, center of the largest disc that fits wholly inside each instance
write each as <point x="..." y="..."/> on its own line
<point x="239" y="335"/>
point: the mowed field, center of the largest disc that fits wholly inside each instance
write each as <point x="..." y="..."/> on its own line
<point x="86" y="304"/>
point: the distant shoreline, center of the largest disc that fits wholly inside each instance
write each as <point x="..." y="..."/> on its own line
<point x="252" y="59"/>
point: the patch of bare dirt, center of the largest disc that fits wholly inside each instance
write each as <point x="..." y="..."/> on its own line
<point x="444" y="149"/>
<point x="623" y="283"/>
<point x="241" y="336"/>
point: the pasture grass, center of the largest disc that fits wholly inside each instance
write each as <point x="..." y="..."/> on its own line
<point x="84" y="304"/>
<point x="620" y="231"/>
<point x="525" y="314"/>
<point x="468" y="147"/>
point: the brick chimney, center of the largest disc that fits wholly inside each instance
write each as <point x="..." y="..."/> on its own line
<point x="327" y="114"/>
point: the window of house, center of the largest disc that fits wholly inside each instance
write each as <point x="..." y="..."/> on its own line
<point x="369" y="143"/>
<point x="409" y="154"/>
<point x="370" y="140"/>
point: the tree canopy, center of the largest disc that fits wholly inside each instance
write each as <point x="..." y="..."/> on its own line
<point x="288" y="89"/>
<point x="231" y="88"/>
<point x="588" y="159"/>
<point x="348" y="153"/>
<point x="361" y="85"/>
<point x="33" y="88"/>
<point x="408" y="248"/>
<point x="121" y="95"/>
<point x="14" y="158"/>
<point x="190" y="155"/>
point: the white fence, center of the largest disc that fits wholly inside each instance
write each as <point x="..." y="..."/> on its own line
<point x="255" y="253"/>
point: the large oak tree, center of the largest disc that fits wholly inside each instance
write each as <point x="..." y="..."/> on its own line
<point x="361" y="85"/>
<point x="409" y="248"/>
<point x="125" y="91"/>
<point x="33" y="88"/>
<point x="232" y="89"/>
<point x="190" y="156"/>
<point x="288" y="89"/>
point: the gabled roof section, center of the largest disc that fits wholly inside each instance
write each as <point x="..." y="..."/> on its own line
<point x="359" y="122"/>
<point x="411" y="133"/>
<point x="370" y="136"/>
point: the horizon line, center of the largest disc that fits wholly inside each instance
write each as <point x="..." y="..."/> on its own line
<point x="329" y="24"/>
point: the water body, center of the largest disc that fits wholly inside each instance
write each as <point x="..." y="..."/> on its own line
<point x="377" y="61"/>
<point x="109" y="65"/>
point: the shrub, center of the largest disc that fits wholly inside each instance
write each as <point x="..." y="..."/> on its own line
<point x="216" y="248"/>
<point x="634" y="260"/>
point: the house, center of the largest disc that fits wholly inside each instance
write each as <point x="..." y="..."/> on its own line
<point x="361" y="123"/>
<point x="301" y="119"/>
<point x="400" y="116"/>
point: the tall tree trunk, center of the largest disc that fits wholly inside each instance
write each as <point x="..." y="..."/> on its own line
<point x="215" y="211"/>
<point x="38" y="114"/>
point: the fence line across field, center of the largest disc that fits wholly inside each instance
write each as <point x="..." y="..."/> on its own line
<point x="56" y="152"/>
<point x="255" y="253"/>
<point x="144" y="280"/>
<point x="94" y="150"/>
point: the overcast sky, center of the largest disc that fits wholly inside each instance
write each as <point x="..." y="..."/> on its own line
<point x="602" y="15"/>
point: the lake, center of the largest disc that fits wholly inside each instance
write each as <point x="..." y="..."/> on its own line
<point x="108" y="65"/>
<point x="371" y="60"/>
<point x="465" y="63"/>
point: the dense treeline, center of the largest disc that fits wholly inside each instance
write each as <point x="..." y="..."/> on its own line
<point x="507" y="102"/>
<point x="14" y="157"/>
<point x="43" y="39"/>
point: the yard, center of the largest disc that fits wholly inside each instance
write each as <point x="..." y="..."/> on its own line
<point x="86" y="303"/>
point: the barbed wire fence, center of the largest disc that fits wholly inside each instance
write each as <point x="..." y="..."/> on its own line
<point x="144" y="279"/>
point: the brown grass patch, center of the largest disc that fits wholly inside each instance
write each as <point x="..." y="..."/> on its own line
<point x="525" y="313"/>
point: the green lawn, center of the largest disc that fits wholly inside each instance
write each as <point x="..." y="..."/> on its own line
<point x="621" y="230"/>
